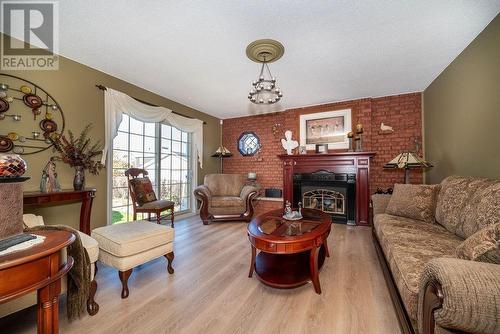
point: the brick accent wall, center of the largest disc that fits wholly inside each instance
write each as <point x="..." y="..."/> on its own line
<point x="402" y="112"/>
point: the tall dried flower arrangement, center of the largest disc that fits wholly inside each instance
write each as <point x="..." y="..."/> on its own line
<point x="78" y="152"/>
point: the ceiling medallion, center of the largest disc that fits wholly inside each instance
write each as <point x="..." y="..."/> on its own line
<point x="265" y="51"/>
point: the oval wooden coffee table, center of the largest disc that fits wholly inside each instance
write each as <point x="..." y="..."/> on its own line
<point x="291" y="252"/>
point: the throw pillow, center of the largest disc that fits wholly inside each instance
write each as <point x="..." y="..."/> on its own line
<point x="414" y="201"/>
<point x="483" y="246"/>
<point x="143" y="190"/>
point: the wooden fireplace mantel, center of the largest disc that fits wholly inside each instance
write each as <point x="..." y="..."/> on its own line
<point x="343" y="162"/>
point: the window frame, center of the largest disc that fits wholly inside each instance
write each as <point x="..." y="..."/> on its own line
<point x="191" y="170"/>
<point x="241" y="149"/>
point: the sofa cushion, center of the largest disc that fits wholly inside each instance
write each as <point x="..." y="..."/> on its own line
<point x="225" y="184"/>
<point x="380" y="203"/>
<point x="414" y="201"/>
<point x="408" y="245"/>
<point x="132" y="238"/>
<point x="484" y="245"/>
<point x="230" y="210"/>
<point x="226" y="201"/>
<point x="143" y="190"/>
<point x="482" y="210"/>
<point x="467" y="204"/>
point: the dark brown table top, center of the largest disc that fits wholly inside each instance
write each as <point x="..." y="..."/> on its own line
<point x="62" y="191"/>
<point x="273" y="227"/>
<point x="54" y="241"/>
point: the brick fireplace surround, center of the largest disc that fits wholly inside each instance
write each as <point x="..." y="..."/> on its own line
<point x="402" y="112"/>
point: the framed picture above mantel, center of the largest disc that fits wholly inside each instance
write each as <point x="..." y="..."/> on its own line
<point x="329" y="128"/>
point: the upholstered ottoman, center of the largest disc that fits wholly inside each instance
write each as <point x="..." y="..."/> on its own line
<point x="125" y="246"/>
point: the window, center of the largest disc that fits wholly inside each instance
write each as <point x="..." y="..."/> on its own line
<point x="248" y="143"/>
<point x="164" y="151"/>
<point x="176" y="167"/>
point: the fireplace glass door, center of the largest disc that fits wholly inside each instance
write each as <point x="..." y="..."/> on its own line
<point x="333" y="193"/>
<point x="328" y="201"/>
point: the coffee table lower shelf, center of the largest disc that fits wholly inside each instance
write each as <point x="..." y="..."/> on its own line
<point x="286" y="271"/>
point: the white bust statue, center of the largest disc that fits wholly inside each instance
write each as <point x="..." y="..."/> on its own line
<point x="287" y="142"/>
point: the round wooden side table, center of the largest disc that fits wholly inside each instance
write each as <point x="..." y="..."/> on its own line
<point x="38" y="268"/>
<point x="291" y="252"/>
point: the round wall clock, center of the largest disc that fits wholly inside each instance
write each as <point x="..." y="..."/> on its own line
<point x="29" y="116"/>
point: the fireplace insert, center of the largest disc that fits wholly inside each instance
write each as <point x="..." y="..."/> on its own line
<point x="333" y="193"/>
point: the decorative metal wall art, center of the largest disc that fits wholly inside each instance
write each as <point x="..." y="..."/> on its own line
<point x="29" y="116"/>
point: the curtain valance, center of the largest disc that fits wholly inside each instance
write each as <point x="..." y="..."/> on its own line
<point x="117" y="103"/>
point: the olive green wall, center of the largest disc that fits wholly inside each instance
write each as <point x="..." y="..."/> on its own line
<point x="73" y="86"/>
<point x="462" y="112"/>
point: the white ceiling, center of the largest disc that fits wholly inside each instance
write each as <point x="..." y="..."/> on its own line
<point x="193" y="52"/>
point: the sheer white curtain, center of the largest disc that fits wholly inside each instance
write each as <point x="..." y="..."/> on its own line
<point x="117" y="103"/>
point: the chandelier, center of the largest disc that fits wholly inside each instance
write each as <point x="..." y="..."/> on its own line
<point x="264" y="89"/>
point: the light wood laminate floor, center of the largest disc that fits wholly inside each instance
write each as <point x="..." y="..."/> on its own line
<point x="211" y="293"/>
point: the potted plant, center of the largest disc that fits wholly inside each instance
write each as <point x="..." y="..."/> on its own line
<point x="79" y="154"/>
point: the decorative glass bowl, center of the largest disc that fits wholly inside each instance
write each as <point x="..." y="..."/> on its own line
<point x="11" y="166"/>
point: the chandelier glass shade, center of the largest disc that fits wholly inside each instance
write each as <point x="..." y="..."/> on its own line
<point x="264" y="89"/>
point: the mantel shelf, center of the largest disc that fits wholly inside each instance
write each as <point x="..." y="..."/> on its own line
<point x="330" y="154"/>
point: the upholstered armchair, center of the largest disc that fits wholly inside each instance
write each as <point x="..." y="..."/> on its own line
<point x="226" y="197"/>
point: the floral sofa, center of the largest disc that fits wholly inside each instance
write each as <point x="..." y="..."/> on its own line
<point x="439" y="248"/>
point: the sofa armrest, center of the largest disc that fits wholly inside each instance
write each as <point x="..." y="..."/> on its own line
<point x="461" y="295"/>
<point x="380" y="202"/>
<point x="202" y="192"/>
<point x="247" y="190"/>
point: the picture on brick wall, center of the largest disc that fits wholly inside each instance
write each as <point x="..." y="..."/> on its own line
<point x="325" y="130"/>
<point x="328" y="128"/>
